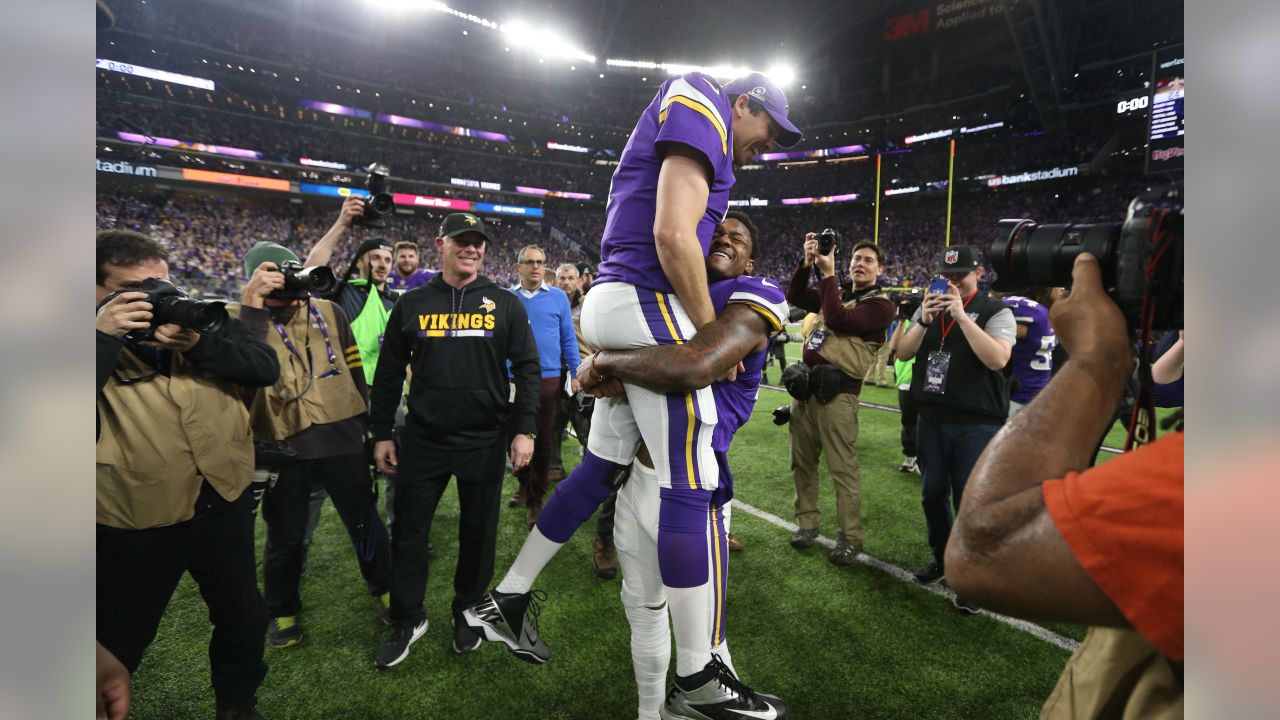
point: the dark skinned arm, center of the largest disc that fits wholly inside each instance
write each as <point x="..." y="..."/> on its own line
<point x="710" y="355"/>
<point x="1005" y="552"/>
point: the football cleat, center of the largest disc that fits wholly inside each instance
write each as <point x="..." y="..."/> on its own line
<point x="511" y="619"/>
<point x="717" y="694"/>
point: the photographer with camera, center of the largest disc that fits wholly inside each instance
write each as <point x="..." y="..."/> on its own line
<point x="366" y="299"/>
<point x="174" y="460"/>
<point x="964" y="340"/>
<point x="839" y="347"/>
<point x="317" y="410"/>
<point x="903" y="370"/>
<point x="1043" y="535"/>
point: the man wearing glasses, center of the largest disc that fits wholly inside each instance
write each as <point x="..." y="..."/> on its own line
<point x="551" y="319"/>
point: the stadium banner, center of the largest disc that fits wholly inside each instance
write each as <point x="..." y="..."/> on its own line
<point x="335" y="109"/>
<point x="331" y="190"/>
<point x="480" y="184"/>
<point x="431" y="202"/>
<point x="819" y="153"/>
<point x="949" y="132"/>
<point x="323" y="164"/>
<point x="818" y="200"/>
<point x="751" y="202"/>
<point x="188" y="145"/>
<point x="1168" y="110"/>
<point x="1033" y="176"/>
<point x="161" y="75"/>
<point x="943" y="17"/>
<point x="123" y="167"/>
<point x="567" y="148"/>
<point x="447" y="129"/>
<point x="543" y="192"/>
<point x="508" y="210"/>
<point x="890" y="192"/>
<point x="250" y="181"/>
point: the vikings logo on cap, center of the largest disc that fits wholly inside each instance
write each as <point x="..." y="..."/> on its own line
<point x="952" y="257"/>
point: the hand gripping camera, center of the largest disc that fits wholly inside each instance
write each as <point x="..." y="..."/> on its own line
<point x="171" y="305"/>
<point x="380" y="202"/>
<point x="301" y="282"/>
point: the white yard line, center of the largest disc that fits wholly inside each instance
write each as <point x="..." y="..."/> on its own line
<point x="1032" y="629"/>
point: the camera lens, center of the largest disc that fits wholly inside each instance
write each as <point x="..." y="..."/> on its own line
<point x="205" y="316"/>
<point x="319" y="279"/>
<point x="382" y="203"/>
<point x="1026" y="254"/>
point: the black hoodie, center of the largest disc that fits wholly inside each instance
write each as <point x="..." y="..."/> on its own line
<point x="458" y="342"/>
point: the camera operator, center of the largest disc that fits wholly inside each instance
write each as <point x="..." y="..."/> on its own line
<point x="1043" y="535"/>
<point x="964" y="339"/>
<point x="318" y="408"/>
<point x="839" y="347"/>
<point x="366" y="300"/>
<point x="174" y="458"/>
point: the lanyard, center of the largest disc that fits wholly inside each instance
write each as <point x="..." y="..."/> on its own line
<point x="328" y="345"/>
<point x="946" y="329"/>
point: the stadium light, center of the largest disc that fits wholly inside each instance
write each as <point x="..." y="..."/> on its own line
<point x="782" y="74"/>
<point x="543" y="41"/>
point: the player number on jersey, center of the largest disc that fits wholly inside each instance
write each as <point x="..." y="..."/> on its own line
<point x="1044" y="356"/>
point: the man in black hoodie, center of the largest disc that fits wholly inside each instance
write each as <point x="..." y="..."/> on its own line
<point x="457" y="333"/>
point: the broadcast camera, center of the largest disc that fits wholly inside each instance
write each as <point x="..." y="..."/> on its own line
<point x="1140" y="257"/>
<point x="300" y="282"/>
<point x="380" y="203"/>
<point x="171" y="305"/>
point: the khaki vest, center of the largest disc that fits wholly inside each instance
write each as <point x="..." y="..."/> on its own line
<point x="1116" y="674"/>
<point x="328" y="400"/>
<point x="853" y="355"/>
<point x="162" y="436"/>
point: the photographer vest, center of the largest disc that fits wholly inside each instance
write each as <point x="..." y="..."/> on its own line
<point x="852" y="354"/>
<point x="290" y="406"/>
<point x="974" y="394"/>
<point x="161" y="437"/>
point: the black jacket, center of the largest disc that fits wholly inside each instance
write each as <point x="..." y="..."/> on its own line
<point x="458" y="342"/>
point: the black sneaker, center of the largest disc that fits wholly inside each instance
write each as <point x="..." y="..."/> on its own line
<point x="803" y="539"/>
<point x="395" y="648"/>
<point x="511" y="619"/>
<point x="284" y="632"/>
<point x="930" y="573"/>
<point x="716" y="693"/>
<point x="964" y="605"/>
<point x="844" y="553"/>
<point x="465" y="639"/>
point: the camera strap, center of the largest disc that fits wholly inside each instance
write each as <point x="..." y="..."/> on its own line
<point x="946" y="329"/>
<point x="328" y="344"/>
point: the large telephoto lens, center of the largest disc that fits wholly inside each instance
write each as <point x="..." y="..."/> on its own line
<point x="204" y="316"/>
<point x="1026" y="254"/>
<point x="319" y="279"/>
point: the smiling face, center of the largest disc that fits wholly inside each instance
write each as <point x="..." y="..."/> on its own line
<point x="406" y="261"/>
<point x="731" y="248"/>
<point x="461" y="255"/>
<point x="753" y="132"/>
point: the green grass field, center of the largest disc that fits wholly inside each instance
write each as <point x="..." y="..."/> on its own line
<point x="833" y="642"/>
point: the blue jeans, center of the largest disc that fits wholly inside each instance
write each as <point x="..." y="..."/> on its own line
<point x="947" y="453"/>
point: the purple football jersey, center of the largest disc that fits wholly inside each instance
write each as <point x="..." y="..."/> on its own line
<point x="735" y="400"/>
<point x="418" y="277"/>
<point x="689" y="109"/>
<point x="1032" y="357"/>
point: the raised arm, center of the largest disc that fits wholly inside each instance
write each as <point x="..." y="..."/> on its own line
<point x="322" y="252"/>
<point x="711" y="354"/>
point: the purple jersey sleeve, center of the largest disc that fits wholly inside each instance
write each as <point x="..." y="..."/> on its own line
<point x="1032" y="357"/>
<point x="689" y="109"/>
<point x="735" y="400"/>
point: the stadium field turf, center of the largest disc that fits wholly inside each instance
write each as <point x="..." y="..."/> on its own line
<point x="833" y="642"/>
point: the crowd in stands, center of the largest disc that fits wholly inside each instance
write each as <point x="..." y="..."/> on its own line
<point x="209" y="233"/>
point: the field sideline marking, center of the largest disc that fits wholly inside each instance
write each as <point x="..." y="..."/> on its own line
<point x="1032" y="629"/>
<point x="892" y="409"/>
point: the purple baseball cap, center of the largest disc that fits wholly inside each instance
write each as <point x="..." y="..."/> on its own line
<point x="766" y="92"/>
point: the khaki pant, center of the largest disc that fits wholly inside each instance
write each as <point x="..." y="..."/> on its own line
<point x="829" y="429"/>
<point x="880" y="373"/>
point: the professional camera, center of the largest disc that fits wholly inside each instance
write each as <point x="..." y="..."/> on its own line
<point x="1141" y="257"/>
<point x="380" y="203"/>
<point x="826" y="241"/>
<point x="782" y="415"/>
<point x="300" y="282"/>
<point x="908" y="302"/>
<point x="171" y="305"/>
